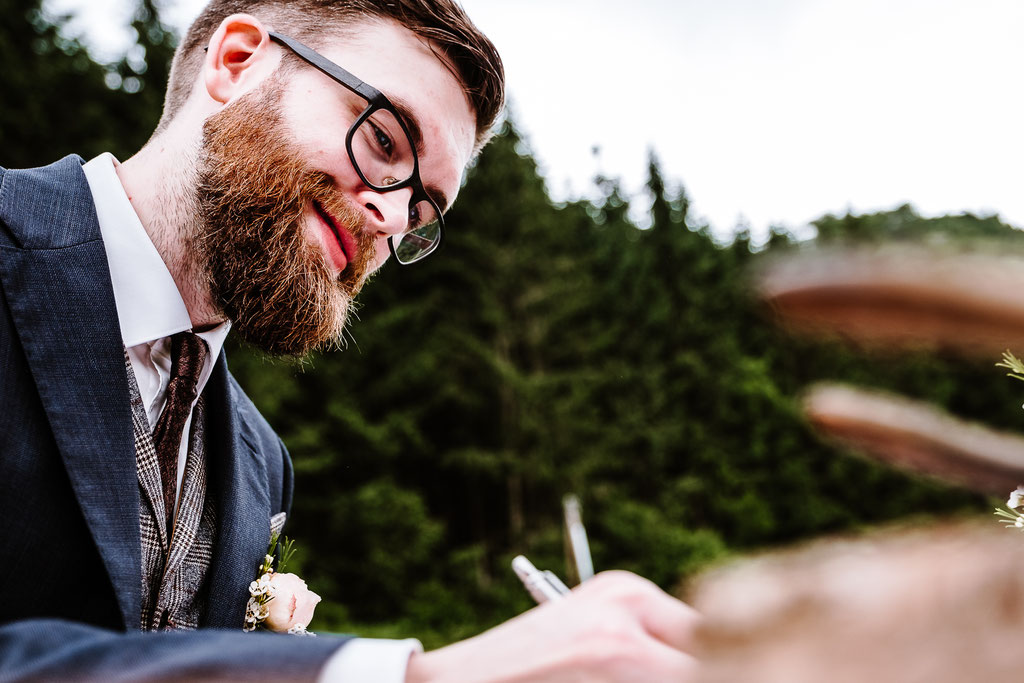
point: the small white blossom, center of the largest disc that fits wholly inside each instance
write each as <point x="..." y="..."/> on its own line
<point x="256" y="611"/>
<point x="261" y="587"/>
<point x="1016" y="498"/>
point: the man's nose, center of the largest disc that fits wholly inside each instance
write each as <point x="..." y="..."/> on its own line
<point x="388" y="211"/>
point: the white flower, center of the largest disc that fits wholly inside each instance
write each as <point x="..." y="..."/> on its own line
<point x="254" y="611"/>
<point x="262" y="586"/>
<point x="1016" y="498"/>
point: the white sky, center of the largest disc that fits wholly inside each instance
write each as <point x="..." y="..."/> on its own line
<point x="769" y="111"/>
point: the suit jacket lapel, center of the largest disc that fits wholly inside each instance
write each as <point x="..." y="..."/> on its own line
<point x="57" y="283"/>
<point x="238" y="477"/>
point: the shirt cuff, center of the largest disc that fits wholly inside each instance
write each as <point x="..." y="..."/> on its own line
<point x="370" y="659"/>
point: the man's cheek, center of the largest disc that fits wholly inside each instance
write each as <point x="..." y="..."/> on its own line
<point x="381" y="254"/>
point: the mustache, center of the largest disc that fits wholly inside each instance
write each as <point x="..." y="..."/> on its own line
<point x="321" y="190"/>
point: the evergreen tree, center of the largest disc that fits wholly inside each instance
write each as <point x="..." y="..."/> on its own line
<point x="59" y="101"/>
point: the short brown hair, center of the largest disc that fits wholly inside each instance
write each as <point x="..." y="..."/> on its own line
<point x="473" y="58"/>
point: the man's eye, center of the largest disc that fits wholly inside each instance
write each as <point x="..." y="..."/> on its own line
<point x="382" y="139"/>
<point x="414" y="217"/>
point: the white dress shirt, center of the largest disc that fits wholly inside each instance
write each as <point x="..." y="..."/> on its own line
<point x="149" y="310"/>
<point x="149" y="307"/>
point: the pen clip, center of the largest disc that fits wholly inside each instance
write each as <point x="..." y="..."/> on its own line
<point x="542" y="586"/>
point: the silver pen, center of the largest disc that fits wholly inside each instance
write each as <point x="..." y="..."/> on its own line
<point x="542" y="585"/>
<point x="578" y="543"/>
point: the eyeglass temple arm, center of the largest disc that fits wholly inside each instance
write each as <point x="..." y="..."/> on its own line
<point x="329" y="68"/>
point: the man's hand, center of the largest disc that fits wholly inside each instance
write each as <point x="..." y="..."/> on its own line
<point x="615" y="627"/>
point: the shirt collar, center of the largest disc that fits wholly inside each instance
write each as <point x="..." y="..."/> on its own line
<point x="149" y="306"/>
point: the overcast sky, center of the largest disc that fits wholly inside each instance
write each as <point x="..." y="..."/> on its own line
<point x="769" y="111"/>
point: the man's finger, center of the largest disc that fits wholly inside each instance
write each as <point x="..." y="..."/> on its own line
<point x="671" y="621"/>
<point x="672" y="664"/>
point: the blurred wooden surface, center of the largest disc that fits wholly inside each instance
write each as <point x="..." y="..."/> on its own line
<point x="907" y="297"/>
<point x="918" y="436"/>
<point x="936" y="605"/>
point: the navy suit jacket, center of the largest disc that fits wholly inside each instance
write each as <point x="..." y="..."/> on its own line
<point x="70" y="558"/>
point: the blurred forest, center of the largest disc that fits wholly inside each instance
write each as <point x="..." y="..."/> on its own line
<point x="548" y="349"/>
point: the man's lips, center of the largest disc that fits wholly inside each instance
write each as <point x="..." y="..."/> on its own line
<point x="339" y="242"/>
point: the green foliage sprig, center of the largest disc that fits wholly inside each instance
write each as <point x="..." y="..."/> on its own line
<point x="279" y="559"/>
<point x="1013" y="364"/>
<point x="1011" y="518"/>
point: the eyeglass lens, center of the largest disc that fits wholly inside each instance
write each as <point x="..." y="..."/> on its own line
<point x="385" y="156"/>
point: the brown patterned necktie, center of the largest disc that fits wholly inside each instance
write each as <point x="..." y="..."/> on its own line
<point x="188" y="353"/>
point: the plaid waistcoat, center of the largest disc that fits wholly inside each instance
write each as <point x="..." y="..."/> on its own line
<point x="174" y="585"/>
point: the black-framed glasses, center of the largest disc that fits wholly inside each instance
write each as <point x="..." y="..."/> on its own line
<point x="383" y="153"/>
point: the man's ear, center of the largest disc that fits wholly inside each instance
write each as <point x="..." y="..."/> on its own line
<point x="237" y="57"/>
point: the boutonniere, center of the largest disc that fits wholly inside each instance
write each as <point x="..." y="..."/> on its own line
<point x="278" y="601"/>
<point x="1013" y="515"/>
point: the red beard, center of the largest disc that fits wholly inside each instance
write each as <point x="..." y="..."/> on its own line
<point x="264" y="272"/>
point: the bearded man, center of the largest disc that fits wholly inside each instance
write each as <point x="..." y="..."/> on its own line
<point x="303" y="143"/>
